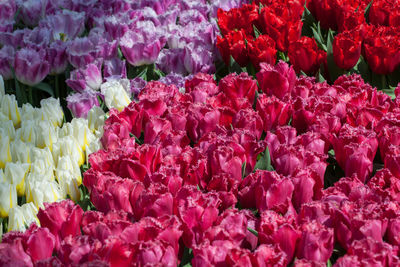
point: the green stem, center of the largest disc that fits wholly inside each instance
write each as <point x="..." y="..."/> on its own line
<point x="57" y="86"/>
<point x="383" y="82"/>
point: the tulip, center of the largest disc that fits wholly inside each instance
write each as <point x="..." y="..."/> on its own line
<point x="81" y="103"/>
<point x="31" y="66"/>
<point x="7" y="128"/>
<point x="8" y="198"/>
<point x="95" y="117"/>
<point x="5" y="155"/>
<point x="68" y="145"/>
<point x="20" y="151"/>
<point x="9" y="107"/>
<point x="57" y="57"/>
<point x="30" y="113"/>
<point x="46" y="135"/>
<point x="44" y="155"/>
<point x="77" y="128"/>
<point x="141" y="46"/>
<point x="40" y="169"/>
<point x="27" y="132"/>
<point x="20" y="217"/>
<point x="69" y="176"/>
<point x="40" y="191"/>
<point x="88" y="78"/>
<point x="15" y="173"/>
<point x="115" y="95"/>
<point x="65" y="24"/>
<point x="6" y="60"/>
<point x="52" y="111"/>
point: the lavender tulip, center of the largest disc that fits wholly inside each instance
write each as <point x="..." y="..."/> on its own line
<point x="81" y="52"/>
<point x="6" y="61"/>
<point x="84" y="79"/>
<point x="81" y="103"/>
<point x="57" y="57"/>
<point x="37" y="38"/>
<point x="142" y="45"/>
<point x="7" y="9"/>
<point x="65" y="25"/>
<point x="114" y="67"/>
<point x="31" y="66"/>
<point x="31" y="11"/>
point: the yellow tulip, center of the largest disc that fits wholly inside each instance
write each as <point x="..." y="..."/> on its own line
<point x="52" y="111"/>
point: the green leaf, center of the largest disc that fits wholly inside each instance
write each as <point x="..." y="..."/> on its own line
<point x="329" y="263"/>
<point x="366" y="12"/>
<point x="264" y="163"/>
<point x="256" y="31"/>
<point x="45" y="88"/>
<point x="243" y="169"/>
<point x="254" y="232"/>
<point x="19" y="92"/>
<point x="390" y="92"/>
<point x="334" y="70"/>
<point x="186" y="257"/>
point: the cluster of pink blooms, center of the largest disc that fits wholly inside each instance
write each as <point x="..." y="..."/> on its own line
<point x="180" y="173"/>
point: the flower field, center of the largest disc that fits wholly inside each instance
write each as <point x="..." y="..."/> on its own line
<point x="200" y="133"/>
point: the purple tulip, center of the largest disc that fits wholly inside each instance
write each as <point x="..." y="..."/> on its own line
<point x="65" y="24"/>
<point x="31" y="11"/>
<point x="57" y="57"/>
<point x="114" y="67"/>
<point x="81" y="52"/>
<point x="31" y="66"/>
<point x="81" y="103"/>
<point x="171" y="60"/>
<point x="37" y="38"/>
<point x="137" y="85"/>
<point x="174" y="78"/>
<point x="198" y="60"/>
<point x="107" y="47"/>
<point x="115" y="26"/>
<point x="142" y="45"/>
<point x="13" y="39"/>
<point x="84" y="79"/>
<point x="6" y="25"/>
<point x="6" y="61"/>
<point x="7" y="9"/>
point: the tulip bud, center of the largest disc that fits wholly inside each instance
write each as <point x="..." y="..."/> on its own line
<point x="9" y="107"/>
<point x="52" y="110"/>
<point x="20" y="151"/>
<point x="21" y="217"/>
<point x="15" y="174"/>
<point x="95" y="118"/>
<point x="40" y="191"/>
<point x="46" y="135"/>
<point x="8" y="198"/>
<point x="5" y="155"/>
<point x="115" y="95"/>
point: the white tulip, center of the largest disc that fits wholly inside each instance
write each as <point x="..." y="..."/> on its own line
<point x="21" y="217"/>
<point x="27" y="132"/>
<point x="115" y="96"/>
<point x="7" y="128"/>
<point x="77" y="128"/>
<point x="40" y="191"/>
<point x="30" y="113"/>
<point x="8" y="198"/>
<point x="68" y="146"/>
<point x="15" y="174"/>
<point x="94" y="146"/>
<point x="5" y="155"/>
<point x="20" y="151"/>
<point x="68" y="168"/>
<point x="9" y="107"/>
<point x="52" y="110"/>
<point x="96" y="117"/>
<point x="46" y="135"/>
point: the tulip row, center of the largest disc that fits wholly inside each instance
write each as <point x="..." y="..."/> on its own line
<point x="265" y="31"/>
<point x="214" y="175"/>
<point x="37" y="148"/>
<point x="85" y="43"/>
